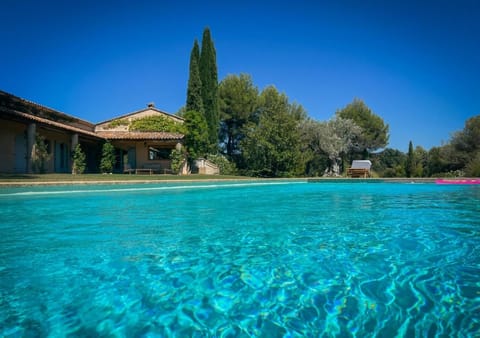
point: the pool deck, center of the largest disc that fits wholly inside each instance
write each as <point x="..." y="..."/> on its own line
<point x="33" y="182"/>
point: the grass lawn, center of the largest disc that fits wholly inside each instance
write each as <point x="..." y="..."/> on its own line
<point x="27" y="179"/>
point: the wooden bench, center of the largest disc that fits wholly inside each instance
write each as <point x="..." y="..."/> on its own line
<point x="358" y="172"/>
<point x="150" y="171"/>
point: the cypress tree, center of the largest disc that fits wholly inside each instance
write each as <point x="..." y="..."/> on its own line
<point x="108" y="158"/>
<point x="410" y="163"/>
<point x="209" y="79"/>
<point x="194" y="89"/>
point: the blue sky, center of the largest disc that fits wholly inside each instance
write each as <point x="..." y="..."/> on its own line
<point x="414" y="63"/>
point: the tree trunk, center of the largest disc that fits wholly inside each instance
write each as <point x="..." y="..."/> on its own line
<point x="333" y="169"/>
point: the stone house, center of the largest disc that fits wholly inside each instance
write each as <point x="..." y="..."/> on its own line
<point x="23" y="123"/>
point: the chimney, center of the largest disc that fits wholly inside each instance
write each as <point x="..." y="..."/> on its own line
<point x="151" y="105"/>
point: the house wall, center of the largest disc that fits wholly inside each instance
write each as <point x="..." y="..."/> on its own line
<point x="14" y="148"/>
<point x="54" y="139"/>
<point x="141" y="154"/>
<point x="143" y="160"/>
<point x="9" y="131"/>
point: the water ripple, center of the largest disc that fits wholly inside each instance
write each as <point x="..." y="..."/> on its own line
<point x="290" y="260"/>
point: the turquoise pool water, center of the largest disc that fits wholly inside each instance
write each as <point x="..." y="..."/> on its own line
<point x="232" y="260"/>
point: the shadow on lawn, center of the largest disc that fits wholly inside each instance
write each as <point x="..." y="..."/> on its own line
<point x="17" y="176"/>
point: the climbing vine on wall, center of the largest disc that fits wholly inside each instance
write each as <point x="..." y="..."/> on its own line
<point x="157" y="123"/>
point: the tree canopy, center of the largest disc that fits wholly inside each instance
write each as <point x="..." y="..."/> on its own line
<point x="266" y="135"/>
<point x="374" y="131"/>
<point x="238" y="102"/>
<point x="332" y="138"/>
<point x="272" y="147"/>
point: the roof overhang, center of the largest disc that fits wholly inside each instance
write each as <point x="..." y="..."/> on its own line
<point x="47" y="122"/>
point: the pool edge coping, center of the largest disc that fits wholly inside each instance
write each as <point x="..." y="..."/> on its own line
<point x="299" y="179"/>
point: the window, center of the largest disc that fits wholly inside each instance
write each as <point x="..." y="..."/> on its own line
<point x="158" y="153"/>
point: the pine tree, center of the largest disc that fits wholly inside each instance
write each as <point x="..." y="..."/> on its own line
<point x="209" y="79"/>
<point x="194" y="89"/>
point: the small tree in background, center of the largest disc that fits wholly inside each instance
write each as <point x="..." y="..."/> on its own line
<point x="41" y="156"/>
<point x="410" y="165"/>
<point x="333" y="138"/>
<point x="108" y="158"/>
<point x="79" y="160"/>
<point x="224" y="165"/>
<point x="178" y="158"/>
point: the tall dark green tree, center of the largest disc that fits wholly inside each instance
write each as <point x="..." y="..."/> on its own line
<point x="196" y="137"/>
<point x="108" y="158"/>
<point x="410" y="163"/>
<point x="79" y="160"/>
<point x="238" y="101"/>
<point x="194" y="89"/>
<point x="272" y="147"/>
<point x="209" y="79"/>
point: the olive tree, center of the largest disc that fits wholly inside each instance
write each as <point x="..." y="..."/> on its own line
<point x="332" y="138"/>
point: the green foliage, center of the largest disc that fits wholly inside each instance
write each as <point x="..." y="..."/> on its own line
<point x="238" y="101"/>
<point x="108" y="158"/>
<point x="194" y="88"/>
<point x="466" y="146"/>
<point x="396" y="171"/>
<point x="272" y="147"/>
<point x="79" y="160"/>
<point x="438" y="161"/>
<point x="226" y="167"/>
<point x="209" y="80"/>
<point x="40" y="156"/>
<point x="410" y="162"/>
<point x="421" y="159"/>
<point x="178" y="159"/>
<point x="117" y="123"/>
<point x="157" y="123"/>
<point x="389" y="163"/>
<point x="468" y="140"/>
<point x="196" y="136"/>
<point x="473" y="167"/>
<point x="181" y="111"/>
<point x="333" y="138"/>
<point x="374" y="131"/>
<point x="459" y="156"/>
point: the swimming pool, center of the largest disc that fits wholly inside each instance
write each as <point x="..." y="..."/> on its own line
<point x="235" y="259"/>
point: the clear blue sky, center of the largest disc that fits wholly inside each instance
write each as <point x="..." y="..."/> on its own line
<point x="414" y="63"/>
